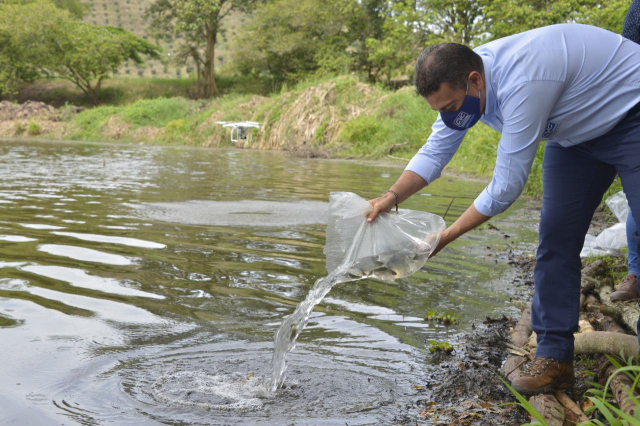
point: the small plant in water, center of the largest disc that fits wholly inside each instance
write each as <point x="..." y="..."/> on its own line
<point x="435" y="346"/>
<point x="443" y="318"/>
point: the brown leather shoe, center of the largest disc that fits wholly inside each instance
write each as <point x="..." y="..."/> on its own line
<point x="544" y="375"/>
<point x="627" y="289"/>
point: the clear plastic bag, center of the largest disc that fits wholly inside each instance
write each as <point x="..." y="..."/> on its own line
<point x="619" y="205"/>
<point x="392" y="246"/>
<point x="614" y="237"/>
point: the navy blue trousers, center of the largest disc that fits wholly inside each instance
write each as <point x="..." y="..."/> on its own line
<point x="574" y="181"/>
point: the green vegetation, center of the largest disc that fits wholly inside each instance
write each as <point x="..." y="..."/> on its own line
<point x="435" y="346"/>
<point x="445" y="318"/>
<point x="34" y="129"/>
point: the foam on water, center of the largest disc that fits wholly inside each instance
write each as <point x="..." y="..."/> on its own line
<point x="227" y="392"/>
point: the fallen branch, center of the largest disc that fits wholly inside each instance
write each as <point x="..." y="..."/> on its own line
<point x="620" y="386"/>
<point x="605" y="342"/>
<point x="522" y="331"/>
<point x="549" y="407"/>
<point x="602" y="342"/>
<point x="620" y="383"/>
<point x="572" y="409"/>
<point x="511" y="367"/>
<point x="624" y="313"/>
<point x="605" y="322"/>
<point x="594" y="269"/>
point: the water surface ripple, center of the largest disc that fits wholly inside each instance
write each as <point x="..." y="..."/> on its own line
<point x="144" y="285"/>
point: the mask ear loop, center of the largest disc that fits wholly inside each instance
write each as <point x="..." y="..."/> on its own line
<point x="479" y="93"/>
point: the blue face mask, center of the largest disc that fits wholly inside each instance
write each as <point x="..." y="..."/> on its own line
<point x="466" y="116"/>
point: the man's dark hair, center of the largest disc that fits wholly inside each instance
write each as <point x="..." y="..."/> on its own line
<point x="449" y="63"/>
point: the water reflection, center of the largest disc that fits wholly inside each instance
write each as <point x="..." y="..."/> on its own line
<point x="147" y="273"/>
<point x="80" y="253"/>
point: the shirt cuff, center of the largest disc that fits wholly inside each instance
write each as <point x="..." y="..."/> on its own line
<point x="424" y="167"/>
<point x="488" y="206"/>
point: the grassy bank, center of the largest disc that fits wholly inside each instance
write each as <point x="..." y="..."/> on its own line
<point x="126" y="90"/>
<point x="338" y="117"/>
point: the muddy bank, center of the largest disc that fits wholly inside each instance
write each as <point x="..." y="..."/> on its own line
<point x="34" y="118"/>
<point x="464" y="386"/>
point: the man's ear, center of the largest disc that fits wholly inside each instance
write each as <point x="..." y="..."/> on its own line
<point x="476" y="79"/>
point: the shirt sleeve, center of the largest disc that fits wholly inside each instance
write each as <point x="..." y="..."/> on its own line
<point x="526" y="110"/>
<point x="437" y="152"/>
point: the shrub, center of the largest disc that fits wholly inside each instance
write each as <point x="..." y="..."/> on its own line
<point x="34" y="129"/>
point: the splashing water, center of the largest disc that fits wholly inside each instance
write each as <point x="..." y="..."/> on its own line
<point x="386" y="266"/>
<point x="291" y="327"/>
<point x="224" y="392"/>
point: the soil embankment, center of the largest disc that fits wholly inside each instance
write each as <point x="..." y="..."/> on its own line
<point x="338" y="117"/>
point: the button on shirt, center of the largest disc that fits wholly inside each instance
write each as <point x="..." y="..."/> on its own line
<point x="565" y="83"/>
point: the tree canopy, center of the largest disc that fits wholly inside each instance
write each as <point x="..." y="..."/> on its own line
<point x="288" y="39"/>
<point x="284" y="40"/>
<point x="41" y="39"/>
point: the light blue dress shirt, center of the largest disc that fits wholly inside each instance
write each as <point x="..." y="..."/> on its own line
<point x="565" y="83"/>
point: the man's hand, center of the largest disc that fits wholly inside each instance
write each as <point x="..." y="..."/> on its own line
<point x="382" y="204"/>
<point x="445" y="239"/>
<point x="408" y="184"/>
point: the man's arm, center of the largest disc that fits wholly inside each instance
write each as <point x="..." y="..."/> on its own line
<point x="469" y="220"/>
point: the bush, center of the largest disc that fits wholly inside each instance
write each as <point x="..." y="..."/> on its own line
<point x="34" y="129"/>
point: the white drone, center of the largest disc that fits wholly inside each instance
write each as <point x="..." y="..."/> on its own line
<point x="242" y="130"/>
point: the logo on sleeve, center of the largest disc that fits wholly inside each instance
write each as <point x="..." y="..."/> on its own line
<point x="550" y="130"/>
<point x="462" y="119"/>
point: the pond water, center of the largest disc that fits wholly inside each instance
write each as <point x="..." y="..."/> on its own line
<point x="143" y="285"/>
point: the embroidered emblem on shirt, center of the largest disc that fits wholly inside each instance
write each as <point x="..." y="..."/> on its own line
<point x="550" y="130"/>
<point x="462" y="119"/>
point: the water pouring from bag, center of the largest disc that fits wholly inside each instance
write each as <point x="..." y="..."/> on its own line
<point x="394" y="246"/>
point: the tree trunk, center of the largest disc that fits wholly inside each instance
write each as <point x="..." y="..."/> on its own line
<point x="210" y="89"/>
<point x="549" y="407"/>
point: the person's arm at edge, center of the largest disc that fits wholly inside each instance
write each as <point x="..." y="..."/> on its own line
<point x="407" y="184"/>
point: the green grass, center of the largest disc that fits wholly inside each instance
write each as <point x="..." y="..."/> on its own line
<point x="156" y="112"/>
<point x="384" y="118"/>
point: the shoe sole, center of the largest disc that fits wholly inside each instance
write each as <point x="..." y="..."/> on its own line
<point x="551" y="387"/>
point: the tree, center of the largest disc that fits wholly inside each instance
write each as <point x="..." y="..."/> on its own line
<point x="506" y="17"/>
<point x="409" y="26"/>
<point x="288" y="39"/>
<point x="87" y="54"/>
<point x="195" y="23"/>
<point x="74" y="7"/>
<point x="43" y="40"/>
